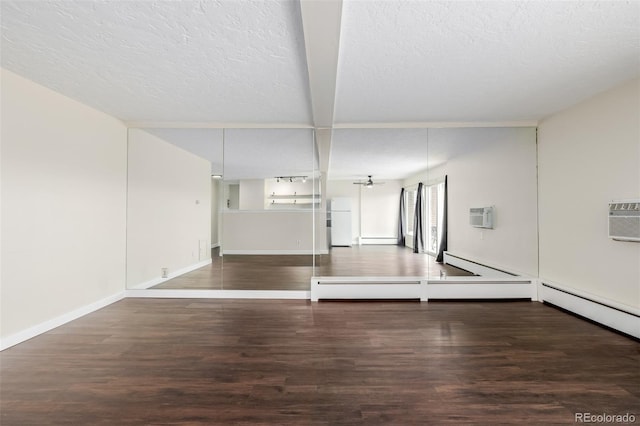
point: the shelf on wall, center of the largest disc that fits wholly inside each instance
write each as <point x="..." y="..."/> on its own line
<point x="293" y="196"/>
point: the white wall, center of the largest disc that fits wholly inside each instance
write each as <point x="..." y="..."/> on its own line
<point x="252" y="194"/>
<point x="168" y="208"/>
<point x="374" y="211"/>
<point x="491" y="166"/>
<point x="588" y="155"/>
<point x="379" y="208"/>
<point x="63" y="205"/>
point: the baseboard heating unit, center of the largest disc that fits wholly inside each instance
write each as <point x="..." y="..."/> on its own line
<point x="476" y="267"/>
<point x="422" y="288"/>
<point x="323" y="288"/>
<point x="619" y="317"/>
<point x="387" y="241"/>
<point x="482" y="288"/>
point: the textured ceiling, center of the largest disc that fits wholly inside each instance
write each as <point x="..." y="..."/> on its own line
<point x="267" y="153"/>
<point x="247" y="153"/>
<point x="223" y="61"/>
<point x="416" y="61"/>
<point x="389" y="153"/>
<point x="205" y="143"/>
<point x="290" y="63"/>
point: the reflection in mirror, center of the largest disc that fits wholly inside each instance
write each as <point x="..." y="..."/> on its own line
<point x="493" y="171"/>
<point x="172" y="220"/>
<point x="268" y="215"/>
<point x="365" y="177"/>
<point x="387" y="202"/>
<point x="363" y="202"/>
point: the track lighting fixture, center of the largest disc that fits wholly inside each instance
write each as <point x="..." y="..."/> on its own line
<point x="292" y="179"/>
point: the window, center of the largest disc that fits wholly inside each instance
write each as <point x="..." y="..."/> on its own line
<point x="435" y="194"/>
<point x="410" y="204"/>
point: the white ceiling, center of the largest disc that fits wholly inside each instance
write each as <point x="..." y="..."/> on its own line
<point x="390" y="153"/>
<point x="268" y="153"/>
<point x="222" y="61"/>
<point x="324" y="64"/>
<point x="416" y="61"/>
<point x="205" y="143"/>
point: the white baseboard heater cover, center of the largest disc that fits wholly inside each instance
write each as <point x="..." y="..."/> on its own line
<point x="624" y="320"/>
<point x="421" y="288"/>
<point x="378" y="240"/>
<point x="366" y="288"/>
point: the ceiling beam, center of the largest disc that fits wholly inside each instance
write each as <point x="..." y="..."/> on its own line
<point x="321" y="20"/>
<point x="323" y="142"/>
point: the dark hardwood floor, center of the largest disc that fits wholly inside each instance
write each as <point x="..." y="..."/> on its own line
<point x="208" y="361"/>
<point x="294" y="272"/>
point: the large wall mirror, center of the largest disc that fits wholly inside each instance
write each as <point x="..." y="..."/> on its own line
<point x="394" y="187"/>
<point x="366" y="172"/>
<point x="267" y="209"/>
<point x="172" y="214"/>
<point x="222" y="209"/>
<point x="270" y="195"/>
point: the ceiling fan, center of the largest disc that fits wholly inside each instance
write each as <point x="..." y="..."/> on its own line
<point x="368" y="183"/>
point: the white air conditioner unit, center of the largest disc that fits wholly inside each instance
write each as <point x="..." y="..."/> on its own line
<point x="624" y="220"/>
<point x="481" y="217"/>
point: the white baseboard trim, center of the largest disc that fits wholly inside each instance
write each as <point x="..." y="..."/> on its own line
<point x="43" y="327"/>
<point x="625" y="319"/>
<point x="218" y="294"/>
<point x="177" y="273"/>
<point x="274" y="252"/>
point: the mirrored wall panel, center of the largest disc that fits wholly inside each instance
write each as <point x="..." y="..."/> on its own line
<point x="222" y="209"/>
<point x="491" y="198"/>
<point x="173" y="223"/>
<point x="366" y="174"/>
<point x="267" y="209"/>
<point x="405" y="202"/>
<point x="270" y="194"/>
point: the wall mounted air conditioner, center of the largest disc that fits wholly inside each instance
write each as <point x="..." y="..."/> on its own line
<point x="481" y="217"/>
<point x="624" y="220"/>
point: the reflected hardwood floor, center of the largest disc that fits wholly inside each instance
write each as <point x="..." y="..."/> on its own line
<point x="223" y="362"/>
<point x="293" y="272"/>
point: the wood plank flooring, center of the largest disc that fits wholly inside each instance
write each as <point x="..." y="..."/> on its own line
<point x="249" y="272"/>
<point x="221" y="362"/>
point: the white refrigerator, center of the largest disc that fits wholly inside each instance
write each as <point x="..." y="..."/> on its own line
<point x="340" y="214"/>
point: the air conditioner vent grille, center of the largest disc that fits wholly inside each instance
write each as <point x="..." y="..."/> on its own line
<point x="481" y="217"/>
<point x="624" y="220"/>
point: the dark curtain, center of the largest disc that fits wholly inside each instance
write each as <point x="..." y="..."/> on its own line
<point x="401" y="241"/>
<point x="418" y="240"/>
<point x="443" y="240"/>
